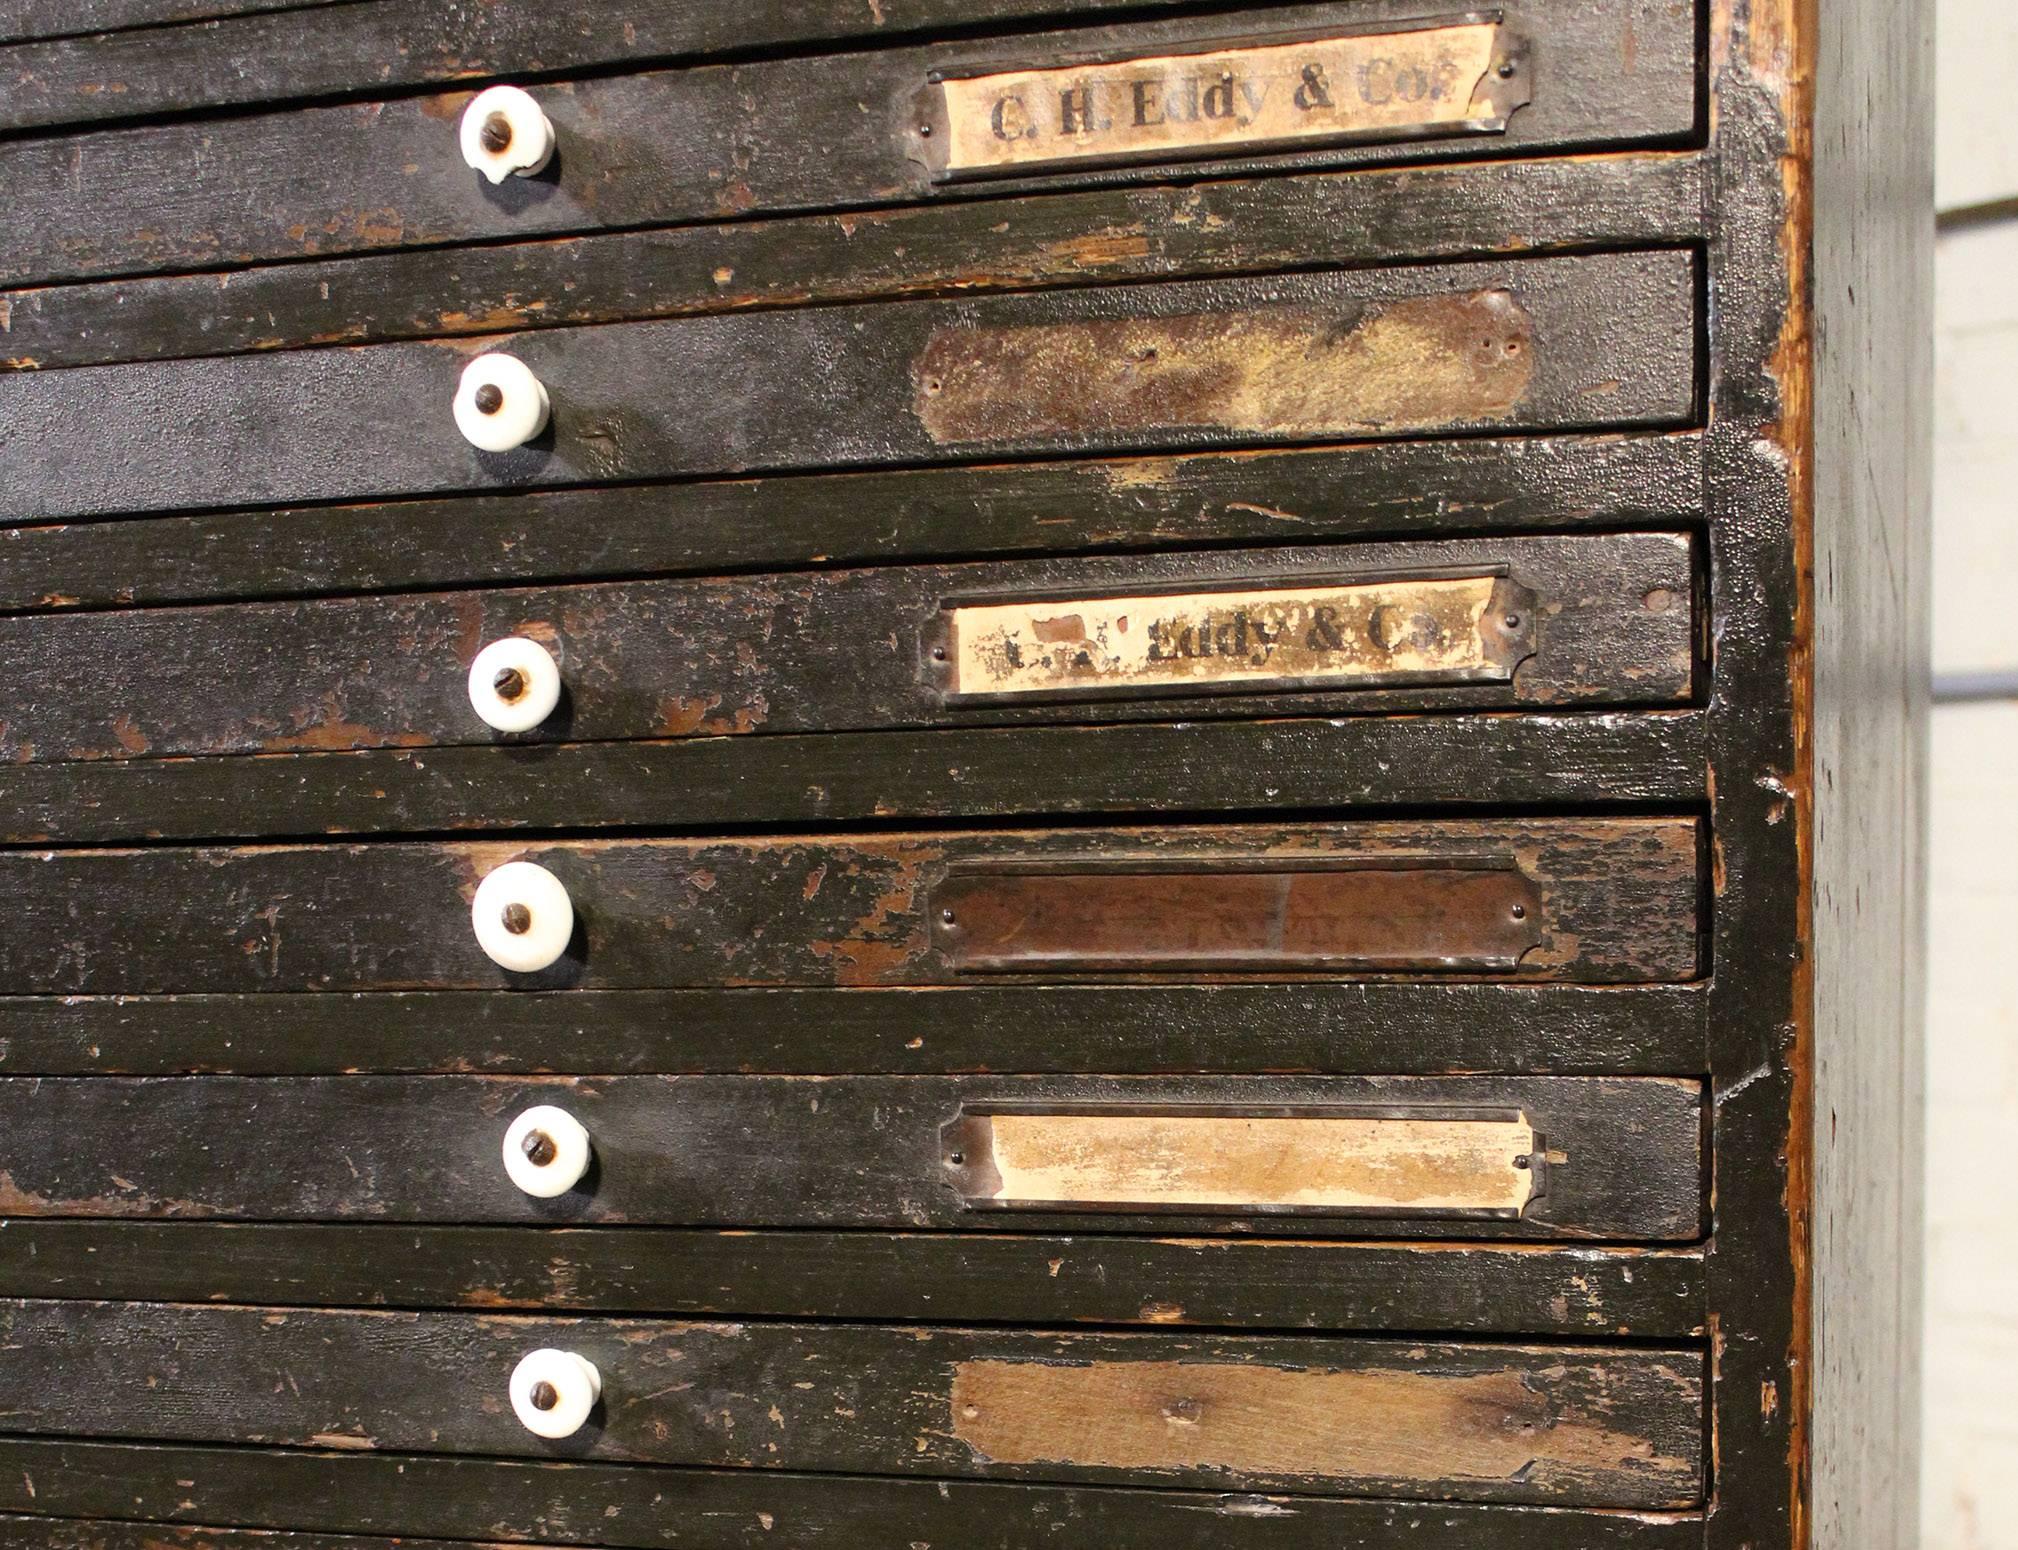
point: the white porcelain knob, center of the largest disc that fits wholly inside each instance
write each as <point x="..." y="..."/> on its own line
<point x="523" y="917"/>
<point x="554" y="1391"/>
<point x="546" y="1151"/>
<point x="499" y="403"/>
<point x="504" y="133"/>
<point x="514" y="684"/>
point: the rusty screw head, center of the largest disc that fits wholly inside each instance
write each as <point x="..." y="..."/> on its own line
<point x="496" y="134"/>
<point x="489" y="398"/>
<point x="510" y="683"/>
<point x="518" y="920"/>
<point x="539" y="1148"/>
<point x="544" y="1396"/>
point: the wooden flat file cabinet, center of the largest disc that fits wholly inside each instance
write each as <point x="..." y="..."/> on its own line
<point x="960" y="774"/>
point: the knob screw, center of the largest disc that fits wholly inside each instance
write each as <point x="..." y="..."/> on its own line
<point x="497" y="133"/>
<point x="518" y="920"/>
<point x="489" y="398"/>
<point x="539" y="1149"/>
<point x="544" y="1396"/>
<point x="510" y="683"/>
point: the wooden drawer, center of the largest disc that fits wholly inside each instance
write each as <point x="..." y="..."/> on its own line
<point x="1473" y="624"/>
<point x="1535" y="1157"/>
<point x="1571" y="1425"/>
<point x="1607" y="341"/>
<point x="859" y="128"/>
<point x="1591" y="900"/>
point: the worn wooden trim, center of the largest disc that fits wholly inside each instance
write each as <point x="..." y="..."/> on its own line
<point x="1403" y="1028"/>
<point x="624" y="1507"/>
<point x="1576" y="1425"/>
<point x="1623" y="1157"/>
<point x="1413" y="489"/>
<point x="1641" y="759"/>
<point x="31" y="1533"/>
<point x="1565" y="1292"/>
<point x="25" y="20"/>
<point x="247" y="54"/>
<point x="766" y="136"/>
<point x="1536" y="344"/>
<point x="1617" y="902"/>
<point x="1594" y="619"/>
<point x="1477" y="210"/>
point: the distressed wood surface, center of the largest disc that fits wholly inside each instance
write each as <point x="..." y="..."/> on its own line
<point x="1543" y="343"/>
<point x="1617" y="903"/>
<point x="1570" y="1292"/>
<point x="247" y="54"/>
<point x="627" y="1508"/>
<point x="1406" y="1028"/>
<point x="1370" y="489"/>
<point x="1577" y="1425"/>
<point x="1486" y="761"/>
<point x="30" y="1533"/>
<point x="1478" y="210"/>
<point x="1610" y="619"/>
<point x="704" y="144"/>
<point x="28" y="19"/>
<point x="736" y="1151"/>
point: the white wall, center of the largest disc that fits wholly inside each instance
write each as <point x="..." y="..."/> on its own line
<point x="1970" y="1490"/>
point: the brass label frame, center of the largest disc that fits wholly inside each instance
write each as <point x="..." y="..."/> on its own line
<point x="1236" y="915"/>
<point x="1435" y="77"/>
<point x="1421" y="1162"/>
<point x="1253" y="636"/>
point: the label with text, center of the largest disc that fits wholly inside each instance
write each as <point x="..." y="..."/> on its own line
<point x="1460" y="77"/>
<point x="1465" y="629"/>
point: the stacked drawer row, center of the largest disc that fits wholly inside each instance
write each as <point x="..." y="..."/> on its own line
<point x="1037" y="855"/>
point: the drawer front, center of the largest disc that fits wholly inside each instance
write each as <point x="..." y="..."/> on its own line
<point x="862" y="128"/>
<point x="1506" y="622"/>
<point x="1566" y="1425"/>
<point x="1539" y="1157"/>
<point x="1543" y="899"/>
<point x="1569" y="343"/>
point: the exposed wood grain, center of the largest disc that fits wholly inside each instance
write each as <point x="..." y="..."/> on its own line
<point x="1618" y="903"/>
<point x="1184" y="1414"/>
<point x="1608" y="619"/>
<point x="1568" y="1292"/>
<point x="1403" y="1027"/>
<point x="704" y="144"/>
<point x="736" y="1151"/>
<point x="1482" y="762"/>
<point x="1478" y="210"/>
<point x="1603" y="1427"/>
<point x="1614" y="345"/>
<point x="1413" y="489"/>
<point x="593" y="1504"/>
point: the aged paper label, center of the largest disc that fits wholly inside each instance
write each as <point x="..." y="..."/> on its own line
<point x="1427" y="1166"/>
<point x="1304" y="636"/>
<point x="1433" y="78"/>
